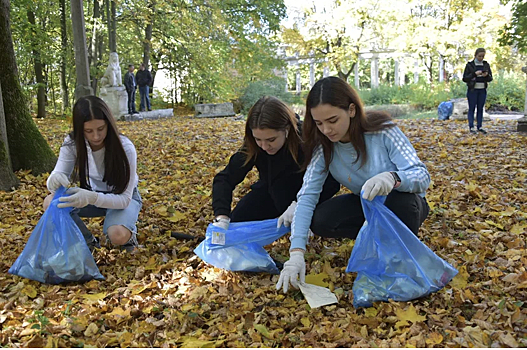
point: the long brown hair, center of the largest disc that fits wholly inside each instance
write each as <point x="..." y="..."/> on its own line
<point x="271" y="113"/>
<point x="116" y="165"/>
<point x="338" y="93"/>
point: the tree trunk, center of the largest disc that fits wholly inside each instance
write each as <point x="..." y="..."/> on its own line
<point x="27" y="148"/>
<point x="41" y="91"/>
<point x="8" y="179"/>
<point x="63" y="56"/>
<point x="147" y="44"/>
<point x="83" y="87"/>
<point x="95" y="44"/>
<point x="110" y="15"/>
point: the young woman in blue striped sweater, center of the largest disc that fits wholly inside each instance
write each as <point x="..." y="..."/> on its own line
<point x="364" y="152"/>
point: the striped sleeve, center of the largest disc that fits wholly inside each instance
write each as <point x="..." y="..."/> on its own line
<point x="412" y="171"/>
<point x="307" y="199"/>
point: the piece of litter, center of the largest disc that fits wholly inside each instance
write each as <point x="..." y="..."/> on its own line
<point x="317" y="296"/>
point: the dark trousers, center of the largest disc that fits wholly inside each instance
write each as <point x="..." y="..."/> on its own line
<point x="131" y="101"/>
<point x="476" y="98"/>
<point x="254" y="206"/>
<point x="342" y="216"/>
<point x="145" y="99"/>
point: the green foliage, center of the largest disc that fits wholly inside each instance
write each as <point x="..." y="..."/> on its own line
<point x="507" y="89"/>
<point x="515" y="33"/>
<point x="40" y="321"/>
<point x="271" y="87"/>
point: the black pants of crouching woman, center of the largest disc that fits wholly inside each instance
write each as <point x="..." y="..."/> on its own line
<point x="342" y="216"/>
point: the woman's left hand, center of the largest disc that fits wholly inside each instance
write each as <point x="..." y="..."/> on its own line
<point x="79" y="198"/>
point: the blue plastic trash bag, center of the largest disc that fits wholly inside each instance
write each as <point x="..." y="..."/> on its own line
<point x="444" y="110"/>
<point x="56" y="251"/>
<point x="391" y="262"/>
<point x="240" y="248"/>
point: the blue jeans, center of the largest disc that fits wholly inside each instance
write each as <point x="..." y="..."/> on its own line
<point x="476" y="98"/>
<point x="143" y="93"/>
<point x="126" y="217"/>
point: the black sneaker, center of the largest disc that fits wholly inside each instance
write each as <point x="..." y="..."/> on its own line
<point x="483" y="131"/>
<point x="472" y="131"/>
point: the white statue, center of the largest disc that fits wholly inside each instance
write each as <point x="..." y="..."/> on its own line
<point x="112" y="76"/>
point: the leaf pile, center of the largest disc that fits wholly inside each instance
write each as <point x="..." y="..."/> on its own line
<point x="163" y="295"/>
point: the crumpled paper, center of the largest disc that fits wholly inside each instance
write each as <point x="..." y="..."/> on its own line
<point x="317" y="296"/>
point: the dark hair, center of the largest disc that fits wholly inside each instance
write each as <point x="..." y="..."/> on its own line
<point x="116" y="165"/>
<point x="338" y="93"/>
<point x="271" y="113"/>
<point x="478" y="50"/>
<point x="130" y="65"/>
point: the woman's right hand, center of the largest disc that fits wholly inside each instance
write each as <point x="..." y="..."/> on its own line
<point x="56" y="180"/>
<point x="478" y="73"/>
<point x="293" y="271"/>
<point x="222" y="221"/>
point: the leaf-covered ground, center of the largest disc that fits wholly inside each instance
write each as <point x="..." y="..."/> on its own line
<point x="163" y="295"/>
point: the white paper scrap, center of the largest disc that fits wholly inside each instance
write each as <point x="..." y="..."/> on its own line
<point x="317" y="296"/>
<point x="218" y="238"/>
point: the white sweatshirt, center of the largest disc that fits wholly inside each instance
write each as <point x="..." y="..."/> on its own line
<point x="66" y="164"/>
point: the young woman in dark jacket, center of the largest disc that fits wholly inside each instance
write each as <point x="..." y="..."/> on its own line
<point x="272" y="143"/>
<point x="477" y="75"/>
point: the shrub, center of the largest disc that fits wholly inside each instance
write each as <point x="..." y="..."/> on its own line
<point x="271" y="87"/>
<point x="506" y="90"/>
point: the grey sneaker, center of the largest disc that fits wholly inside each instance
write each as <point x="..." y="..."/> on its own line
<point x="472" y="131"/>
<point x="483" y="131"/>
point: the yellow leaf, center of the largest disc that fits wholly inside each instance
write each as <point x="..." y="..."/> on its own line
<point x="518" y="229"/>
<point x="91" y="330"/>
<point x="196" y="343"/>
<point x="305" y="321"/>
<point x="460" y="281"/>
<point x="434" y="338"/>
<point x="162" y="210"/>
<point x="52" y="342"/>
<point x="94" y="297"/>
<point x="176" y="217"/>
<point x="409" y="314"/>
<point x="370" y="312"/>
<point x="492" y="223"/>
<point x="30" y="291"/>
<point x="318" y="279"/>
<point x="263" y="330"/>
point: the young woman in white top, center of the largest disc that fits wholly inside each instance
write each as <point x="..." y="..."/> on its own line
<point x="104" y="163"/>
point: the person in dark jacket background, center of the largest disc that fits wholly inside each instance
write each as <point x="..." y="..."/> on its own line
<point x="272" y="143"/>
<point x="130" y="85"/>
<point x="477" y="75"/>
<point x="144" y="79"/>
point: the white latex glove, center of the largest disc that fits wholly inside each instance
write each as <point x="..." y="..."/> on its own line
<point x="294" y="269"/>
<point x="222" y="223"/>
<point x="287" y="217"/>
<point x="379" y="185"/>
<point x="56" y="180"/>
<point x="79" y="198"/>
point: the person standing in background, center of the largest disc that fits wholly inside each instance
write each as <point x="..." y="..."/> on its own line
<point x="144" y="79"/>
<point x="477" y="75"/>
<point x="131" y="85"/>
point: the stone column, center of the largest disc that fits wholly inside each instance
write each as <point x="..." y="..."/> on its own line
<point x="522" y="122"/>
<point x="83" y="87"/>
<point x="397" y="78"/>
<point x="326" y="68"/>
<point x="285" y="78"/>
<point x="374" y="71"/>
<point x="441" y="69"/>
<point x="356" y="74"/>
<point x="298" y="79"/>
<point x="311" y="74"/>
<point x="416" y="71"/>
